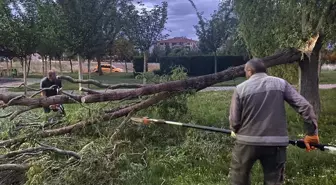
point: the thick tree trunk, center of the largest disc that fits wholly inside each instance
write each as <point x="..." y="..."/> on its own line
<point x="71" y="66"/>
<point x="309" y="76"/>
<point x="100" y="72"/>
<point x="80" y="71"/>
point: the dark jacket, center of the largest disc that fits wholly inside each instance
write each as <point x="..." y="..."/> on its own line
<point x="257" y="112"/>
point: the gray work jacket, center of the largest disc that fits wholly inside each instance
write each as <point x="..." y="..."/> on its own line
<point x="257" y="111"/>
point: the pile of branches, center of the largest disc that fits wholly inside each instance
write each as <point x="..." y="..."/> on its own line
<point x="152" y="93"/>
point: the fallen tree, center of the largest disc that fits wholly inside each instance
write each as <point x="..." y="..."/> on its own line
<point x="290" y="55"/>
<point x="155" y="92"/>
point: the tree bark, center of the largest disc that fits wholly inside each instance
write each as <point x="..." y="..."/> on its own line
<point x="71" y="66"/>
<point x="309" y="76"/>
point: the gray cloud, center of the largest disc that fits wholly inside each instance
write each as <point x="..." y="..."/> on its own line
<point x="182" y="16"/>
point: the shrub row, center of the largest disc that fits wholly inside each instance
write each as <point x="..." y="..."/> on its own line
<point x="195" y="65"/>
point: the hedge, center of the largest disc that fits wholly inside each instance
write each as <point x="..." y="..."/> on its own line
<point x="200" y="65"/>
<point x="195" y="65"/>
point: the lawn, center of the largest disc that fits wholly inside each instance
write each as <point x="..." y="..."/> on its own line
<point x="160" y="154"/>
<point x="328" y="77"/>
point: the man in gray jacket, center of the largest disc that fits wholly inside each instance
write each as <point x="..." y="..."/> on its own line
<point x="258" y="119"/>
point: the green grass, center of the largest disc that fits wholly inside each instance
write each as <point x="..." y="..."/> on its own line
<point x="175" y="155"/>
<point x="328" y="77"/>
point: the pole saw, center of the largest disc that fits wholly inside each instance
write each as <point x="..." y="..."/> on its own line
<point x="298" y="143"/>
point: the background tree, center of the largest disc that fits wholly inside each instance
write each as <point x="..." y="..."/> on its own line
<point x="214" y="32"/>
<point x="124" y="49"/>
<point x="269" y="25"/>
<point x="145" y="28"/>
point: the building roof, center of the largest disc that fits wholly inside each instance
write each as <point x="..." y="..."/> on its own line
<point x="177" y="39"/>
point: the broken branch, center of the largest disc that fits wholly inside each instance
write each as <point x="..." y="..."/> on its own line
<point x="99" y="84"/>
<point x="15" y="167"/>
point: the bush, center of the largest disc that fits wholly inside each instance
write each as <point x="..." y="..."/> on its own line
<point x="199" y="65"/>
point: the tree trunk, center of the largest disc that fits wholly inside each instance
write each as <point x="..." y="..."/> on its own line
<point x="80" y="71"/>
<point x="25" y="75"/>
<point x="309" y="76"/>
<point x="215" y="55"/>
<point x="100" y="72"/>
<point x="43" y="70"/>
<point x="126" y="66"/>
<point x="111" y="65"/>
<point x="11" y="66"/>
<point x="49" y="62"/>
<point x="145" y="65"/>
<point x="89" y="72"/>
<point x="60" y="65"/>
<point x="71" y="66"/>
<point x="29" y="65"/>
<point x="7" y="67"/>
<point x="46" y="65"/>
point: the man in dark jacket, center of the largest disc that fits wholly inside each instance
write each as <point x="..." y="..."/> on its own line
<point x="258" y="120"/>
<point x="48" y="82"/>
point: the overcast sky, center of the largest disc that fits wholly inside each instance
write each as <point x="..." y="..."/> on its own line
<point x="182" y="16"/>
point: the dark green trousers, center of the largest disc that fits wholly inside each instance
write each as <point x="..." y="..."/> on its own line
<point x="272" y="159"/>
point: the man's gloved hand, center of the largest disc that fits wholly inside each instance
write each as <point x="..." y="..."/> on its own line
<point x="311" y="139"/>
<point x="233" y="134"/>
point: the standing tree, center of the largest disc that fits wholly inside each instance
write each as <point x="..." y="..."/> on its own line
<point x="92" y="26"/>
<point x="23" y="28"/>
<point x="214" y="32"/>
<point x="267" y="26"/>
<point x="145" y="28"/>
<point x="124" y="49"/>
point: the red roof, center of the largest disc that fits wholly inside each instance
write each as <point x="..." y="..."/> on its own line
<point x="177" y="39"/>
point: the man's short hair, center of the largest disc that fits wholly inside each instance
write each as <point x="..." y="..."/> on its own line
<point x="257" y="65"/>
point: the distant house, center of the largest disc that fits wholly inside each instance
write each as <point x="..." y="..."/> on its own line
<point x="178" y="42"/>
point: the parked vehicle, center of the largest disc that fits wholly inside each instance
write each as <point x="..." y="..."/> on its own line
<point x="106" y="68"/>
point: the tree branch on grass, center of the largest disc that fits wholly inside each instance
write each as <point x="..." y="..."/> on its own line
<point x="14" y="167"/>
<point x="80" y="125"/>
<point x="99" y="84"/>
